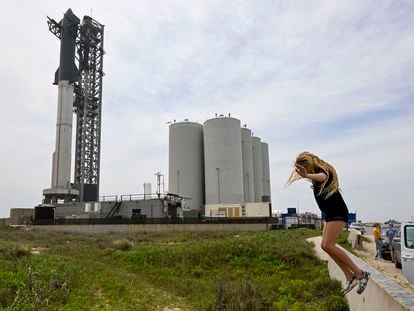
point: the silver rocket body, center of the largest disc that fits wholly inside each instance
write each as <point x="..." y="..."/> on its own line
<point x="61" y="166"/>
<point x="65" y="77"/>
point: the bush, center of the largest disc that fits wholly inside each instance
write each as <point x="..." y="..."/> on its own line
<point x="240" y="295"/>
<point x="39" y="290"/>
<point x="12" y="251"/>
<point x="123" y="245"/>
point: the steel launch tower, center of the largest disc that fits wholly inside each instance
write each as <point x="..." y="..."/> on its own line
<point x="79" y="92"/>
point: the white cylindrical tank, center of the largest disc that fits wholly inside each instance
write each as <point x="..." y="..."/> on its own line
<point x="266" y="197"/>
<point x="223" y="161"/>
<point x="257" y="168"/>
<point x="62" y="156"/>
<point x="247" y="156"/>
<point x="186" y="163"/>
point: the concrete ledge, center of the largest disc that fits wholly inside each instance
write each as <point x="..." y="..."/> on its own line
<point x="382" y="294"/>
<point x="355" y="239"/>
<point x="135" y="228"/>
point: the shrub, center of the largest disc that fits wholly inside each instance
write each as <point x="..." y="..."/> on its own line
<point x="240" y="295"/>
<point x="11" y="251"/>
<point x="123" y="245"/>
<point x="40" y="289"/>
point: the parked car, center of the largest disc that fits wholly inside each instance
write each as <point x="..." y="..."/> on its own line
<point x="357" y="226"/>
<point x="396" y="247"/>
<point x="386" y="251"/>
<point x="403" y="246"/>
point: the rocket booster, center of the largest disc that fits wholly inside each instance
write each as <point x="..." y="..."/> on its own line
<point x="67" y="70"/>
<point x="65" y="77"/>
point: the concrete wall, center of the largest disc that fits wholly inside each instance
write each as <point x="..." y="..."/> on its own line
<point x="21" y="212"/>
<point x="153" y="208"/>
<point x="106" y="229"/>
<point x="381" y="294"/>
<point x="21" y="216"/>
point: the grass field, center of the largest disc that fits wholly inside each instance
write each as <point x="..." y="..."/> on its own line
<point x="275" y="270"/>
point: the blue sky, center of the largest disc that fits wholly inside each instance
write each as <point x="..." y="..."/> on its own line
<point x="332" y="77"/>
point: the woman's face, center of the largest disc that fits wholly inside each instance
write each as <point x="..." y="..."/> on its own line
<point x="305" y="163"/>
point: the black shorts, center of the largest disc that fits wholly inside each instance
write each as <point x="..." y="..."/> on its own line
<point x="337" y="217"/>
<point x="333" y="207"/>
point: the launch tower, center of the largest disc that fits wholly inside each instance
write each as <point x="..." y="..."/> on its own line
<point x="79" y="92"/>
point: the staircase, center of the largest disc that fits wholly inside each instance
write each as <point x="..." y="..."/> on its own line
<point x="114" y="209"/>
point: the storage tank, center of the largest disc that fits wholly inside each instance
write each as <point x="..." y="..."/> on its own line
<point x="266" y="173"/>
<point x="223" y="161"/>
<point x="186" y="163"/>
<point x="257" y="168"/>
<point x="247" y="157"/>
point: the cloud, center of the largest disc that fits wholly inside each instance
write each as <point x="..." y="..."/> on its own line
<point x="332" y="77"/>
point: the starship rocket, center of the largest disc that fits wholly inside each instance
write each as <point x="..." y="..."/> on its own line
<point x="65" y="77"/>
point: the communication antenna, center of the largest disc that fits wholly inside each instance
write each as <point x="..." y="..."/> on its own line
<point x="160" y="182"/>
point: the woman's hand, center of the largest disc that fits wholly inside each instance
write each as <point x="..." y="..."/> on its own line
<point x="301" y="170"/>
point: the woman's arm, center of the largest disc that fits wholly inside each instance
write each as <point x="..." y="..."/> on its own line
<point x="321" y="177"/>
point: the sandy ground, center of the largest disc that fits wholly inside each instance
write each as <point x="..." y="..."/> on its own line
<point x="387" y="267"/>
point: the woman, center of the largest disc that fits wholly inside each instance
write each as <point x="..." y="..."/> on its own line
<point x="378" y="241"/>
<point x="326" y="191"/>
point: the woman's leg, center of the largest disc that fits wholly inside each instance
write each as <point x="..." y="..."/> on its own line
<point x="332" y="230"/>
<point x="348" y="273"/>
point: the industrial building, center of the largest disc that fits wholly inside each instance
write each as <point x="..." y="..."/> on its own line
<point x="220" y="168"/>
<point x="216" y="169"/>
<point x="21" y="216"/>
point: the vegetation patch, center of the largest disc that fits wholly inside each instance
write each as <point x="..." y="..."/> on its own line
<point x="123" y="245"/>
<point x="275" y="270"/>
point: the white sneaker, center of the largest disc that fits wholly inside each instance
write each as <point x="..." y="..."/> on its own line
<point x="350" y="285"/>
<point x="363" y="282"/>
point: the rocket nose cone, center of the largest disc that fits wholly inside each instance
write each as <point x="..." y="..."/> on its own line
<point x="69" y="15"/>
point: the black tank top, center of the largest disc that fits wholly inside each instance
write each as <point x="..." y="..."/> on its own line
<point x="334" y="201"/>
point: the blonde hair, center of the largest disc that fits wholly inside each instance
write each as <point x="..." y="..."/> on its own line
<point x="310" y="162"/>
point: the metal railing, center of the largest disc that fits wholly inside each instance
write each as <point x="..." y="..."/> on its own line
<point x="135" y="197"/>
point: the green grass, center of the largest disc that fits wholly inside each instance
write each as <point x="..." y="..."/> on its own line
<point x="343" y="241"/>
<point x="274" y="270"/>
<point x="366" y="239"/>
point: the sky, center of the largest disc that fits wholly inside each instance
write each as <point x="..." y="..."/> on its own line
<point x="331" y="77"/>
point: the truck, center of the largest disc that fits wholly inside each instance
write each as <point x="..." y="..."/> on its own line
<point x="403" y="247"/>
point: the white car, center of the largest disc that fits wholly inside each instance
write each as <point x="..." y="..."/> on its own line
<point x="403" y="245"/>
<point x="357" y="226"/>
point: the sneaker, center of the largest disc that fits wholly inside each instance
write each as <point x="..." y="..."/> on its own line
<point x="363" y="282"/>
<point x="350" y="285"/>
